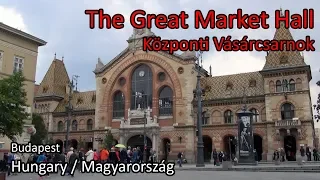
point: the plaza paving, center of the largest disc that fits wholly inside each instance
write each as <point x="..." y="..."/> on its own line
<point x="185" y="175"/>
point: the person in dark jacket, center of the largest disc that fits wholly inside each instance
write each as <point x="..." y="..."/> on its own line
<point x="72" y="160"/>
<point x="123" y="155"/>
<point x="112" y="156"/>
<point x="302" y="152"/>
<point x="315" y="154"/>
<point x="308" y="153"/>
<point x="214" y="157"/>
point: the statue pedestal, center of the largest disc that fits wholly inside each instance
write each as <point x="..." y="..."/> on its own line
<point x="246" y="158"/>
<point x="138" y="118"/>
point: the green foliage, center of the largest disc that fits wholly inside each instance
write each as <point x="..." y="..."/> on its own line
<point x="12" y="105"/>
<point x="108" y="141"/>
<point x="41" y="131"/>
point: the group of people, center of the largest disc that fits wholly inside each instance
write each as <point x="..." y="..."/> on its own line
<point x="305" y="153"/>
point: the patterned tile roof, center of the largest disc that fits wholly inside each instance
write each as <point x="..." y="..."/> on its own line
<point x="278" y="59"/>
<point x="55" y="80"/>
<point x="231" y="86"/>
<point x="80" y="101"/>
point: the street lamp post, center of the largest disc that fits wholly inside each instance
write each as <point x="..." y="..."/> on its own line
<point x="199" y="92"/>
<point x="145" y="138"/>
<point x="69" y="109"/>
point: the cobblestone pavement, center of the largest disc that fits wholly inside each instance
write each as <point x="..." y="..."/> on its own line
<point x="185" y="175"/>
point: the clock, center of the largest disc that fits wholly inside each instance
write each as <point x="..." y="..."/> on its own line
<point x="141" y="73"/>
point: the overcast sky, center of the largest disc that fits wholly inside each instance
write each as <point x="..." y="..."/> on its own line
<point x="65" y="27"/>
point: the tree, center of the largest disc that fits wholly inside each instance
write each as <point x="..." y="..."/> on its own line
<point x="317" y="106"/>
<point x="108" y="141"/>
<point x="41" y="133"/>
<point x="12" y="106"/>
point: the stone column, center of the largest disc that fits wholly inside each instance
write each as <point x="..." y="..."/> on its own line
<point x="121" y="139"/>
<point x="154" y="139"/>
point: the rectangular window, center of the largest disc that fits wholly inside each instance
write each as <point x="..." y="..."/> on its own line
<point x="1" y="59"/>
<point x="18" y="64"/>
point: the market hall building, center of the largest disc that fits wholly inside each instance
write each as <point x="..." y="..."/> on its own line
<point x="162" y="84"/>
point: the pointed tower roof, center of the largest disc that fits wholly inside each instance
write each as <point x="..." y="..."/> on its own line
<point x="280" y="59"/>
<point x="55" y="81"/>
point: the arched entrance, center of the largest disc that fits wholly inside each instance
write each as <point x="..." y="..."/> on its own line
<point x="229" y="145"/>
<point x="207" y="149"/>
<point x="137" y="141"/>
<point x="60" y="142"/>
<point x="74" y="143"/>
<point x="257" y="142"/>
<point x="290" y="147"/>
<point x="165" y="148"/>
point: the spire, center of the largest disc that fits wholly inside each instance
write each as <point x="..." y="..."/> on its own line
<point x="281" y="12"/>
<point x="285" y="58"/>
<point x="210" y="70"/>
<point x="99" y="64"/>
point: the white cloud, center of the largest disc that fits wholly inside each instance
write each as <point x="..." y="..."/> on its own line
<point x="11" y="17"/>
<point x="237" y="62"/>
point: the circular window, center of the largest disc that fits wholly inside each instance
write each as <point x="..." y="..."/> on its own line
<point x="122" y="81"/>
<point x="104" y="80"/>
<point x="180" y="70"/>
<point x="161" y="76"/>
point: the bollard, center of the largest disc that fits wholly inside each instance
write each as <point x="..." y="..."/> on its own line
<point x="300" y="161"/>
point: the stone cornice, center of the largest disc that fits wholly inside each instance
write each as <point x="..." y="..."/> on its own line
<point x="288" y="93"/>
<point x="74" y="113"/>
<point x="231" y="101"/>
<point x="22" y="34"/>
<point x="48" y="98"/>
<point x="126" y="52"/>
<point x="287" y="71"/>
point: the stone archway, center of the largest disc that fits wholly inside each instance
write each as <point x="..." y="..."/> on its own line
<point x="74" y="143"/>
<point x="258" y="145"/>
<point x="290" y="147"/>
<point x="139" y="58"/>
<point x="138" y="141"/>
<point x="60" y="142"/>
<point x="207" y="149"/>
<point x="165" y="148"/>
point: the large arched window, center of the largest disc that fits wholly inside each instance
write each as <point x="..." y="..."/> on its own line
<point x="228" y="117"/>
<point x="74" y="126"/>
<point x="278" y="86"/>
<point x="287" y="111"/>
<point x="285" y="85"/>
<point x="255" y="115"/>
<point x="165" y="101"/>
<point x="89" y="124"/>
<point x="292" y="85"/>
<point x="118" y="105"/>
<point x="141" y="87"/>
<point x="60" y="126"/>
